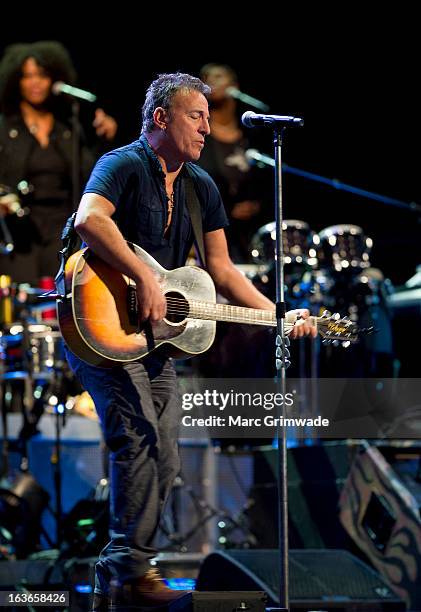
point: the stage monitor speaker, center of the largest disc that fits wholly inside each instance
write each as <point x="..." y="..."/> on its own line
<point x="51" y="574"/>
<point x="380" y="509"/>
<point x="216" y="602"/>
<point x="316" y="475"/>
<point x="331" y="580"/>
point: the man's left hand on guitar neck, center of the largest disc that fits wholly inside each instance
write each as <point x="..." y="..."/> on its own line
<point x="303" y="325"/>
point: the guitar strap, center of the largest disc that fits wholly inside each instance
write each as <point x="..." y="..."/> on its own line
<point x="195" y="211"/>
<point x="71" y="242"/>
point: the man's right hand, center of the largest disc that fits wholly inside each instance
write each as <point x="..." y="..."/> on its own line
<point x="152" y="302"/>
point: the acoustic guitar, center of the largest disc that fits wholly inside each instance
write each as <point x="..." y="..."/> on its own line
<point x="99" y="315"/>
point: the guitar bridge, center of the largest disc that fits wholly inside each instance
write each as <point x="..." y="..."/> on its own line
<point x="132" y="305"/>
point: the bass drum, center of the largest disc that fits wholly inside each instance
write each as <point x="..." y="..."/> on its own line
<point x="343" y="248"/>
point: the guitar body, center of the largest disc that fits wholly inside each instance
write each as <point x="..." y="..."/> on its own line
<point x="99" y="325"/>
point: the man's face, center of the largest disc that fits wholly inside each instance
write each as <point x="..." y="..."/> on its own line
<point x="187" y="125"/>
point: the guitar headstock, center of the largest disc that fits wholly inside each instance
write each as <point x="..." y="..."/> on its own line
<point x="337" y="330"/>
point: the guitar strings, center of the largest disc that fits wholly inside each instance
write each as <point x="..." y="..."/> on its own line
<point x="229" y="312"/>
<point x="232" y="313"/>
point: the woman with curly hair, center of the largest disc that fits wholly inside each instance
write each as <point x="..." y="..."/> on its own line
<point x="36" y="154"/>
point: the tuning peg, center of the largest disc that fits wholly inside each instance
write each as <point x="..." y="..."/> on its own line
<point x="346" y="344"/>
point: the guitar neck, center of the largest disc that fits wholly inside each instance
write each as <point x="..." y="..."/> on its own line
<point x="235" y="314"/>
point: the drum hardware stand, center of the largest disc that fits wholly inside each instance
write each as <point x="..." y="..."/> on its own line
<point x="56" y="464"/>
<point x="28" y="398"/>
<point x="207" y="512"/>
<point x="58" y="393"/>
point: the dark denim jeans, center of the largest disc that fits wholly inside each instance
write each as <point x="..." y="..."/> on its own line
<point x="139" y="409"/>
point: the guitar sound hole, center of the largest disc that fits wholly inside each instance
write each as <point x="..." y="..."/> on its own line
<point x="177" y="307"/>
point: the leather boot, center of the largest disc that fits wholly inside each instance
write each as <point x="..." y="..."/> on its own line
<point x="149" y="590"/>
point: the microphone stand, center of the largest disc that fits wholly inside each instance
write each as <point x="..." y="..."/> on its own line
<point x="278" y="123"/>
<point x="76" y="94"/>
<point x="55" y="460"/>
<point x="281" y="354"/>
<point x="75" y="153"/>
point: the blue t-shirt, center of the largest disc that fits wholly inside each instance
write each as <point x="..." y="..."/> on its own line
<point x="133" y="180"/>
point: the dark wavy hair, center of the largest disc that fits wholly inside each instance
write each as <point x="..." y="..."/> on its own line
<point x="161" y="92"/>
<point x="49" y="54"/>
<point x="204" y="71"/>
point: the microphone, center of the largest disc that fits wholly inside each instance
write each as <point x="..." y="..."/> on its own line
<point x="253" y="155"/>
<point x="81" y="94"/>
<point x="250" y="120"/>
<point x="249" y="100"/>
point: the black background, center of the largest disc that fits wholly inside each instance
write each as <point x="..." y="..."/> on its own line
<point x="352" y="76"/>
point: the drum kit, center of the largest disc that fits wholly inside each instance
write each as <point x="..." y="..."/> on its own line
<point x="330" y="270"/>
<point x="315" y="263"/>
<point x="34" y="376"/>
